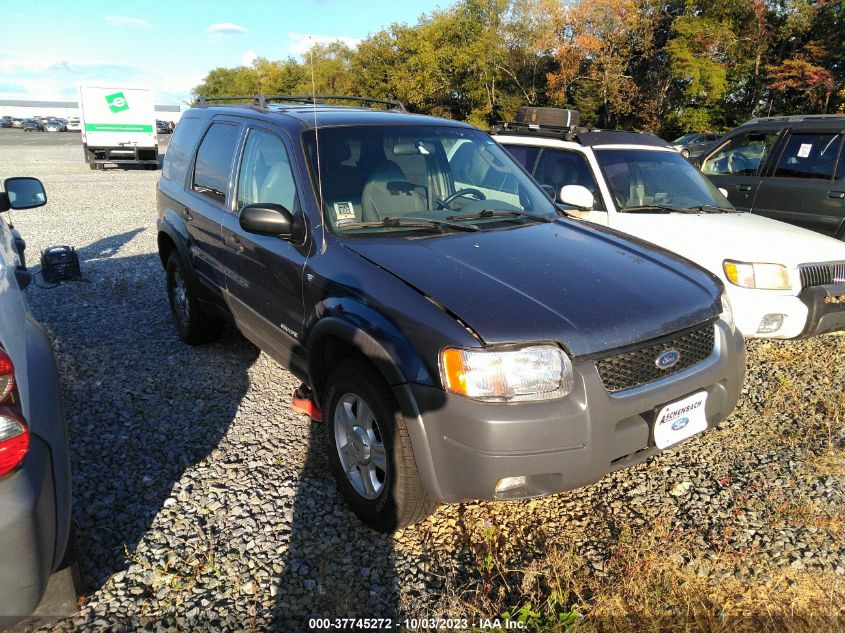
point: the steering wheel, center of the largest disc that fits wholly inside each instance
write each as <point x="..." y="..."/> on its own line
<point x="460" y="193"/>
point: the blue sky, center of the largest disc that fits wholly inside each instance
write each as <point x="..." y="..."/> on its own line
<point x="49" y="47"/>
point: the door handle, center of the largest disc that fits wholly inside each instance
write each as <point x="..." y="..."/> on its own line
<point x="836" y="194"/>
<point x="187" y="213"/>
<point x="743" y="187"/>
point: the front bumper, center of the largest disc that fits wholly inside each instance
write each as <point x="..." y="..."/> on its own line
<point x="27" y="534"/>
<point x="825" y="309"/>
<point x="463" y="448"/>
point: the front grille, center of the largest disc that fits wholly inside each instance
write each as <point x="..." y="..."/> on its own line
<point x="638" y="367"/>
<point x="822" y="274"/>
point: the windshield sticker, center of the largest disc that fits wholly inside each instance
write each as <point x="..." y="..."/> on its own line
<point x="344" y="211"/>
<point x="804" y="150"/>
<point x="345" y="222"/>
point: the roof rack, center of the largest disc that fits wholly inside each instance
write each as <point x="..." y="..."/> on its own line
<point x="795" y="117"/>
<point x="566" y="133"/>
<point x="261" y="101"/>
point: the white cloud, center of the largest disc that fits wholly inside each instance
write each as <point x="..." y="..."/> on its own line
<point x="301" y="43"/>
<point x="248" y="58"/>
<point x="122" y="20"/>
<point x="221" y="30"/>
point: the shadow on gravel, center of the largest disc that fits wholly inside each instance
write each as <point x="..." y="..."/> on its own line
<point x="336" y="568"/>
<point x="141" y="406"/>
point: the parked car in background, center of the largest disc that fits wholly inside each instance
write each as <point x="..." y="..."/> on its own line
<point x="6" y="121"/>
<point x="694" y="145"/>
<point x="459" y="337"/>
<point x="163" y="127"/>
<point x="32" y="125"/>
<point x="73" y="124"/>
<point x="35" y="484"/>
<point x="782" y="281"/>
<point x="55" y="125"/>
<point x="789" y="168"/>
<point x="18" y="123"/>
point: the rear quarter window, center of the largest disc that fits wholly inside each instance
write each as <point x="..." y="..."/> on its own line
<point x="181" y="148"/>
<point x="809" y="156"/>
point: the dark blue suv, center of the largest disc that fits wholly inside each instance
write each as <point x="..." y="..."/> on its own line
<point x="459" y="335"/>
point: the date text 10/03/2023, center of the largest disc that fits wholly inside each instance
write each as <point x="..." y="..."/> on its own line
<point x="415" y="624"/>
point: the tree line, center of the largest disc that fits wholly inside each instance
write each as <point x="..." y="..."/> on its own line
<point x="664" y="66"/>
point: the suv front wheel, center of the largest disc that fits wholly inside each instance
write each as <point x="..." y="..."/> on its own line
<point x="370" y="451"/>
<point x="192" y="324"/>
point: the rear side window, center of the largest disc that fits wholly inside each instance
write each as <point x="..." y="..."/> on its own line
<point x="214" y="157"/>
<point x="809" y="156"/>
<point x="180" y="149"/>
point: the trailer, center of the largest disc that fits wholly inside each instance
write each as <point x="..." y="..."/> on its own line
<point x="118" y="125"/>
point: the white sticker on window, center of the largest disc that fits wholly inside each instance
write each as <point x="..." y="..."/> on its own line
<point x="804" y="150"/>
<point x="344" y="211"/>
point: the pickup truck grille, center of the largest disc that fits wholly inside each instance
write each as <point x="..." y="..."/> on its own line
<point x="822" y="274"/>
<point x="638" y="367"/>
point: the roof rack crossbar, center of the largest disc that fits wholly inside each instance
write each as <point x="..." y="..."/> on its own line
<point x="261" y="101"/>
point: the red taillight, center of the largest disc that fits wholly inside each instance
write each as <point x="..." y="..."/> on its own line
<point x="7" y="376"/>
<point x="14" y="440"/>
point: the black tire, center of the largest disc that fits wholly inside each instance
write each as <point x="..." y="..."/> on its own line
<point x="95" y="166"/>
<point x="685" y="153"/>
<point x="402" y="500"/>
<point x="193" y="325"/>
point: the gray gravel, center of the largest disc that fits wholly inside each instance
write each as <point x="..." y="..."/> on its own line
<point x="204" y="502"/>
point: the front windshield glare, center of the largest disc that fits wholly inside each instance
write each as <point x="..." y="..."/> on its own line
<point x="368" y="174"/>
<point x="639" y="177"/>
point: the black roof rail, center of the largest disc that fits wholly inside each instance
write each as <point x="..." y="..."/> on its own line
<point x="585" y="136"/>
<point x="795" y="117"/>
<point x="567" y="133"/>
<point x="261" y="101"/>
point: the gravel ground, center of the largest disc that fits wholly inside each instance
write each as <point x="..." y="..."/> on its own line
<point x="204" y="502"/>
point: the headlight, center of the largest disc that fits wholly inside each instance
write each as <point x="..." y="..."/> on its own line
<point x="539" y="372"/>
<point x="763" y="276"/>
<point x="727" y="311"/>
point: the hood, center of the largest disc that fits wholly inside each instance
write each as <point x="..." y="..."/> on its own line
<point x="586" y="287"/>
<point x="710" y="238"/>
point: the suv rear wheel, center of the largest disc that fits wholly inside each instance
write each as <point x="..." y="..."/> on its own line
<point x="370" y="451"/>
<point x="192" y="324"/>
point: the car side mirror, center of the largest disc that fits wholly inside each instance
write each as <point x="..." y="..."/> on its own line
<point x="23" y="193"/>
<point x="577" y="196"/>
<point x="723" y="191"/>
<point x="267" y="219"/>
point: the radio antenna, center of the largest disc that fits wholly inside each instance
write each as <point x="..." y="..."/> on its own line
<point x="317" y="148"/>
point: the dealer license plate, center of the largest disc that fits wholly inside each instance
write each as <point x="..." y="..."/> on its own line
<point x="680" y="420"/>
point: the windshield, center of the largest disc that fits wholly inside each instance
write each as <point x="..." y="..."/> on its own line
<point x="443" y="175"/>
<point x="640" y="177"/>
<point x="686" y="138"/>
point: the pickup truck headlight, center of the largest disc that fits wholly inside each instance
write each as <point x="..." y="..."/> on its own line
<point x="538" y="372"/>
<point x="757" y="275"/>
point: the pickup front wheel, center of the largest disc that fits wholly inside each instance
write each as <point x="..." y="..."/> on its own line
<point x="370" y="451"/>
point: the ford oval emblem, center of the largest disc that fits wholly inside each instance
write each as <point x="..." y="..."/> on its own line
<point x="677" y="425"/>
<point x="667" y="359"/>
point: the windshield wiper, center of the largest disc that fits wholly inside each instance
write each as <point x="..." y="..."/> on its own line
<point x="411" y="222"/>
<point x="501" y="213"/>
<point x="651" y="208"/>
<point x="710" y="208"/>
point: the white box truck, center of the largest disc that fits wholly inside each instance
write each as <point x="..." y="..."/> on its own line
<point x="118" y="125"/>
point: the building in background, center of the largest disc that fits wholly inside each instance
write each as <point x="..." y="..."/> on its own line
<point x="24" y="109"/>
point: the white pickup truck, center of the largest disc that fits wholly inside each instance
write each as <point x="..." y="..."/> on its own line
<point x="782" y="281"/>
<point x="118" y="125"/>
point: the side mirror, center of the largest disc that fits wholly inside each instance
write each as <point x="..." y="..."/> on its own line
<point x="266" y="219"/>
<point x="577" y="196"/>
<point x="723" y="191"/>
<point x="24" y="193"/>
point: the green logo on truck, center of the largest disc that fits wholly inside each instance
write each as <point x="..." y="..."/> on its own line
<point x="117" y="102"/>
